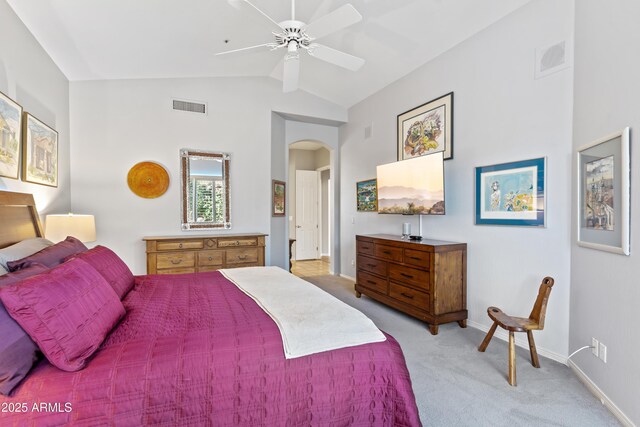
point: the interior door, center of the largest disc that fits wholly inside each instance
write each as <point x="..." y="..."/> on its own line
<point x="306" y="214"/>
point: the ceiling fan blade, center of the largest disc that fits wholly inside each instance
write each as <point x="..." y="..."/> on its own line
<point x="238" y="3"/>
<point x="269" y="45"/>
<point x="335" y="57"/>
<point x="291" y="73"/>
<point x="338" y="19"/>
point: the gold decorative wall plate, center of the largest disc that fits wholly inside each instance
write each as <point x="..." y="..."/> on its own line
<point x="148" y="180"/>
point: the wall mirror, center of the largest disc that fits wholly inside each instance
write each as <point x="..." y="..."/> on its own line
<point x="205" y="189"/>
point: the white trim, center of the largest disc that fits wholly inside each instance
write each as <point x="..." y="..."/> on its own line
<point x="344" y="276"/>
<point x="521" y="341"/>
<point x="604" y="399"/>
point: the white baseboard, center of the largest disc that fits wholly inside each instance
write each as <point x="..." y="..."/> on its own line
<point x="604" y="399"/>
<point x="344" y="276"/>
<point x="521" y="341"/>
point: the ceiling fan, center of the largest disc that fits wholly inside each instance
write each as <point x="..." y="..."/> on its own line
<point x="296" y="35"/>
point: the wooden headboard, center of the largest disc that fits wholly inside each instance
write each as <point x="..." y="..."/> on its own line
<point x="19" y="218"/>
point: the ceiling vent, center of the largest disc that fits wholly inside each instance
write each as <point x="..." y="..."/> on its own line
<point x="189" y="106"/>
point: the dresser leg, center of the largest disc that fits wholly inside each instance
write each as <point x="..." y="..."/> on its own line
<point x="462" y="323"/>
<point x="433" y="329"/>
<point x="358" y="294"/>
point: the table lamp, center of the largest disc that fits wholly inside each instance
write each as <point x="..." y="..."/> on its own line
<point x="82" y="227"/>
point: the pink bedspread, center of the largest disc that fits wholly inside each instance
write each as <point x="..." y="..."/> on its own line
<point x="195" y="350"/>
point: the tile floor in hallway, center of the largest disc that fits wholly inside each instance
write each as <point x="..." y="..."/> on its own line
<point x="311" y="267"/>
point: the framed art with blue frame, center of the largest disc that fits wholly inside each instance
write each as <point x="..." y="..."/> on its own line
<point x="512" y="193"/>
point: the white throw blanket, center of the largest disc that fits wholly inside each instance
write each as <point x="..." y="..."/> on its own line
<point x="310" y="320"/>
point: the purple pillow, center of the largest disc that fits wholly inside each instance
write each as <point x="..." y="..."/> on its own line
<point x="18" y="353"/>
<point x="67" y="311"/>
<point x="111" y="267"/>
<point x="51" y="256"/>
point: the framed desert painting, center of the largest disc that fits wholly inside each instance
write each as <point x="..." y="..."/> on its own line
<point x="604" y="194"/>
<point x="39" y="152"/>
<point x="512" y="193"/>
<point x="367" y="195"/>
<point x="10" y="136"/>
<point x="279" y="197"/>
<point x="427" y="129"/>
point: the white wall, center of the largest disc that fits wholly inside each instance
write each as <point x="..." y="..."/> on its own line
<point x="278" y="255"/>
<point x="605" y="290"/>
<point x="29" y="77"/>
<point x="501" y="114"/>
<point x="116" y="124"/>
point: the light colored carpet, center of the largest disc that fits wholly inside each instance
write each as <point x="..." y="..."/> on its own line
<point x="455" y="385"/>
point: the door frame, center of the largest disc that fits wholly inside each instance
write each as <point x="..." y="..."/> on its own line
<point x="321" y="209"/>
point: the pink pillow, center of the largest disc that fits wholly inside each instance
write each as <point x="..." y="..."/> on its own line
<point x="51" y="256"/>
<point x="67" y="311"/>
<point x="111" y="267"/>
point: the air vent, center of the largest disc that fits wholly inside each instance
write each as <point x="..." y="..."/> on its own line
<point x="367" y="132"/>
<point x="189" y="106"/>
<point x="552" y="58"/>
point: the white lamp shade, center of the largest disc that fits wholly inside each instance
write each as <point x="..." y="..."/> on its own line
<point x="82" y="227"/>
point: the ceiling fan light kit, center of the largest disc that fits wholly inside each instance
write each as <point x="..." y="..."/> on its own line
<point x="296" y="35"/>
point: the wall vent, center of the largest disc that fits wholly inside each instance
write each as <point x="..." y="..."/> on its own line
<point x="367" y="132"/>
<point x="189" y="106"/>
<point x="552" y="58"/>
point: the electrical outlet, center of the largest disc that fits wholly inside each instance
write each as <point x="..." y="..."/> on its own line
<point x="602" y="350"/>
<point x="353" y="263"/>
<point x="594" y="347"/>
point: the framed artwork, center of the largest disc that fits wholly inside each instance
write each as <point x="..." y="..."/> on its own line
<point x="427" y="129"/>
<point x="603" y="194"/>
<point x="10" y="136"/>
<point x="367" y="195"/>
<point x="279" y="197"/>
<point x="39" y="152"/>
<point x="512" y="193"/>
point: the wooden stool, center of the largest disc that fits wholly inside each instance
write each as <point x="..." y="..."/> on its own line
<point x="535" y="321"/>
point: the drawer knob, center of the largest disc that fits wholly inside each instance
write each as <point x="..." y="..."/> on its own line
<point x="406" y="295"/>
<point x="180" y="245"/>
<point x="237" y="243"/>
<point x="176" y="261"/>
<point x="408" y="276"/>
<point x="386" y="252"/>
<point x="210" y="258"/>
<point x="371" y="265"/>
<point x="416" y="258"/>
<point x="371" y="282"/>
<point x="242" y="257"/>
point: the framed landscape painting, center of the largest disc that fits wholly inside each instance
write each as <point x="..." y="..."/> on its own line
<point x="604" y="194"/>
<point x="427" y="129"/>
<point x="512" y="193"/>
<point x="39" y="152"/>
<point x="10" y="136"/>
<point x="367" y="195"/>
<point x="279" y="195"/>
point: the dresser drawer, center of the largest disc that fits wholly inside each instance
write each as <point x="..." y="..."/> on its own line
<point x="242" y="256"/>
<point x="176" y="271"/>
<point x="364" y="247"/>
<point x="372" y="265"/>
<point x="176" y="260"/>
<point x="372" y="282"/>
<point x="387" y="252"/>
<point x="419" y="258"/>
<point x="174" y="245"/>
<point x="208" y="258"/>
<point x="409" y="295"/>
<point x="409" y="275"/>
<point x="229" y="243"/>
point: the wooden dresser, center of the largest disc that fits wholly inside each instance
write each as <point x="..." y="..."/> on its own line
<point x="426" y="279"/>
<point x="191" y="254"/>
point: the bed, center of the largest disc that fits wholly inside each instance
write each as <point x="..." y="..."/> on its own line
<point x="194" y="349"/>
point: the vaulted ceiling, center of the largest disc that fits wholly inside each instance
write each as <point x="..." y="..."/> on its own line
<point x="127" y="39"/>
